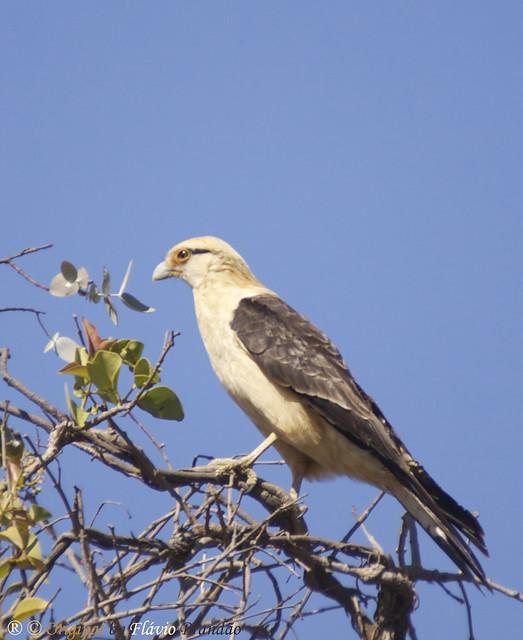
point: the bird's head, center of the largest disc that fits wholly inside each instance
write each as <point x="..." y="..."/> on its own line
<point x="199" y="261"/>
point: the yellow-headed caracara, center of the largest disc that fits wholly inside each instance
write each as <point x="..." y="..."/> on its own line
<point x="292" y="382"/>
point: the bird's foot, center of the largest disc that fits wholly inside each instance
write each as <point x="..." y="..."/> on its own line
<point x="231" y="466"/>
<point x="293" y="494"/>
<point x="295" y="503"/>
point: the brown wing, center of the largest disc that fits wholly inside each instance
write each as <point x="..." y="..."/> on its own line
<point x="293" y="353"/>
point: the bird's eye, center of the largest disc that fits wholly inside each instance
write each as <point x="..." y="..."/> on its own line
<point x="183" y="255"/>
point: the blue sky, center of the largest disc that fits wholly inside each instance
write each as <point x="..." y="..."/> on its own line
<point x="365" y="158"/>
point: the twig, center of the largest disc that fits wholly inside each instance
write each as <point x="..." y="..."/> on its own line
<point x="414" y="542"/>
<point x="56" y="483"/>
<point x="10" y="262"/>
<point x="46" y="406"/>
<point x="79" y="331"/>
<point x="363" y="516"/>
<point x="16" y="412"/>
<point x="511" y="593"/>
<point x="28" y="309"/>
<point x="168" y="344"/>
<point x="468" y="610"/>
<point x="159" y="446"/>
<point x="27" y="277"/>
<point x="296" y="614"/>
<point x="25" y="252"/>
<point x="402" y="539"/>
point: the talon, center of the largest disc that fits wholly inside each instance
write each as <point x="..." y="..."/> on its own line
<point x="243" y="464"/>
<point x="228" y="466"/>
<point x="252" y="478"/>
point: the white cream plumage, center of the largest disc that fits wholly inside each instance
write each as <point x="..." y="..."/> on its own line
<point x="292" y="382"/>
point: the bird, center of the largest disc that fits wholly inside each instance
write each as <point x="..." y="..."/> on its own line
<point x="294" y="384"/>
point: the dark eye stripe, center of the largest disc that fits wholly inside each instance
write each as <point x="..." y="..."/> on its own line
<point x="197" y="251"/>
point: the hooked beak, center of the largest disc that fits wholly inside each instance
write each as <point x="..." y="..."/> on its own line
<point x="162" y="271"/>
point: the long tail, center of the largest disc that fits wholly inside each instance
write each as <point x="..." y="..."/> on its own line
<point x="445" y="521"/>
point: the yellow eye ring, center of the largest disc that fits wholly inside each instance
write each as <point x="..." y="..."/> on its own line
<point x="183" y="255"/>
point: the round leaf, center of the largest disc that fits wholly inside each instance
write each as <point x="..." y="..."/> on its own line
<point x="142" y="371"/>
<point x="69" y="271"/>
<point x="60" y="287"/>
<point x="66" y="348"/>
<point x="103" y="370"/>
<point x="82" y="278"/>
<point x="161" y="402"/>
<point x="118" y="345"/>
<point x="132" y="352"/>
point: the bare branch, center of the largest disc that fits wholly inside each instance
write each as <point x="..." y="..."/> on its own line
<point x="46" y="406"/>
<point x="25" y="252"/>
<point x="225" y="539"/>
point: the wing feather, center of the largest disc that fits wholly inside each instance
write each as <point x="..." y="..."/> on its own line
<point x="293" y="353"/>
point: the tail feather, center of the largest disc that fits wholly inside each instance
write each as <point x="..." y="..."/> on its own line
<point x="462" y="519"/>
<point x="445" y="529"/>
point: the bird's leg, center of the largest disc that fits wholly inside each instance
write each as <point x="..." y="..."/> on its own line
<point x="297" y="479"/>
<point x="244" y="463"/>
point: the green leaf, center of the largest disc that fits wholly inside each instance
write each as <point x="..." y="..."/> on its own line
<point x="103" y="370"/>
<point x="129" y="350"/>
<point x="132" y="352"/>
<point x="142" y="371"/>
<point x="161" y="402"/>
<point x="75" y="369"/>
<point x="78" y="388"/>
<point x="134" y="304"/>
<point x="79" y="415"/>
<point x="34" y="553"/>
<point x="37" y="513"/>
<point x="69" y="271"/>
<point x="14" y="447"/>
<point x="118" y="345"/>
<point x="5" y="568"/>
<point x="13" y="535"/>
<point x="29" y="607"/>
